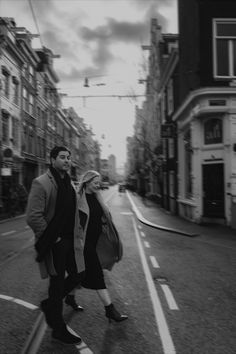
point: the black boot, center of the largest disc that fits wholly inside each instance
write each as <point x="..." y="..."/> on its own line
<point x="63" y="335"/>
<point x="70" y="300"/>
<point x="113" y="314"/>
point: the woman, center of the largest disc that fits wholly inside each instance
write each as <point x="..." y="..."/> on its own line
<point x="102" y="244"/>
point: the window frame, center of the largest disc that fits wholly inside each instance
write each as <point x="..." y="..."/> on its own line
<point x="231" y="75"/>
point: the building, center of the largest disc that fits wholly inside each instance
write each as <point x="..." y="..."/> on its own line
<point x="206" y="116"/>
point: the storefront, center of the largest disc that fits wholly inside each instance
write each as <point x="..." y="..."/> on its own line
<point x="207" y="160"/>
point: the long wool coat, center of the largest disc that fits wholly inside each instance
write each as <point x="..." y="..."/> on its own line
<point x="109" y="246"/>
<point x="40" y="211"/>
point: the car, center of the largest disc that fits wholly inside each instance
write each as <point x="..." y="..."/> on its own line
<point x="104" y="185"/>
<point x="121" y="187"/>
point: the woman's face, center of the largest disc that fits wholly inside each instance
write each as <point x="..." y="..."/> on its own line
<point x="94" y="185"/>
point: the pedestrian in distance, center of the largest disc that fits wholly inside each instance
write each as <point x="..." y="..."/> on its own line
<point x="52" y="213"/>
<point x="103" y="247"/>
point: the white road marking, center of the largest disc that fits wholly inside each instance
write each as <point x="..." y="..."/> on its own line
<point x="146" y="244"/>
<point x="169" y="297"/>
<point x="18" y="301"/>
<point x="8" y="233"/>
<point x="142" y="234"/>
<point x="83" y="348"/>
<point x="140" y="227"/>
<point x="127" y="213"/>
<point x="154" y="262"/>
<point x="27" y="227"/>
<point x="167" y="343"/>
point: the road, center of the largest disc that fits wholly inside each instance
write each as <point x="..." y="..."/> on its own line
<point x="178" y="292"/>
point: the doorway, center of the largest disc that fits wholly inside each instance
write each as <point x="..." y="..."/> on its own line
<point x="213" y="190"/>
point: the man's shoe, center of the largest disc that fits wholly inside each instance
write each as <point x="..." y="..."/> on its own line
<point x="44" y="305"/>
<point x="64" y="336"/>
<point x="70" y="301"/>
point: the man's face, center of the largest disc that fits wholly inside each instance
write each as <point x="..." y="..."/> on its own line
<point x="62" y="162"/>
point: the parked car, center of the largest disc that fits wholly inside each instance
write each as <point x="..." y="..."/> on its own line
<point x="104" y="185"/>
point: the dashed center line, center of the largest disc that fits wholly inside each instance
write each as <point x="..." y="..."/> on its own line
<point x="169" y="297"/>
<point x="142" y="234"/>
<point x="140" y="227"/>
<point x="154" y="262"/>
<point x="146" y="244"/>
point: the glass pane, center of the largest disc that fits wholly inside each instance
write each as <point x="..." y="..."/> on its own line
<point x="222" y="58"/>
<point x="226" y="29"/>
<point x="234" y="58"/>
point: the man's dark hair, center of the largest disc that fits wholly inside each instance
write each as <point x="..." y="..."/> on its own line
<point x="55" y="151"/>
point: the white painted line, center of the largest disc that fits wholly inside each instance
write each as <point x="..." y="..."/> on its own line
<point x="140" y="227"/>
<point x="27" y="227"/>
<point x="83" y="348"/>
<point x="146" y="244"/>
<point x="8" y="233"/>
<point x="154" y="262"/>
<point x="25" y="304"/>
<point x="127" y="213"/>
<point x="19" y="302"/>
<point x="142" y="234"/>
<point x="169" y="297"/>
<point x="167" y="342"/>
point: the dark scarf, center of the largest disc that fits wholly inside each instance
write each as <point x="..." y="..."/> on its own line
<point x="65" y="198"/>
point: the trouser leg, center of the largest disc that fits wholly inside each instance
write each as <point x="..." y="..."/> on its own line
<point x="56" y="284"/>
<point x="74" y="278"/>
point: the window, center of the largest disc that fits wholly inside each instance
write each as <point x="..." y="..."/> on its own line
<point x="31" y="74"/>
<point x="170" y="99"/>
<point x="15" y="132"/>
<point x="224" y="46"/>
<point x="31" y="104"/>
<point x="172" y="183"/>
<point x="5" y="82"/>
<point x="171" y="148"/>
<point x="213" y="131"/>
<point x="5" y="128"/>
<point x="25" y="100"/>
<point x="188" y="163"/>
<point x="15" y="90"/>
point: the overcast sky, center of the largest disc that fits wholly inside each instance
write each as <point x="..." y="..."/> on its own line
<point x="101" y="40"/>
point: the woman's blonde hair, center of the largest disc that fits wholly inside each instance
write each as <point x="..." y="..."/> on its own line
<point x="87" y="177"/>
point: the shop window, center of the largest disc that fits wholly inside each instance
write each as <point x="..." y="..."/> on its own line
<point x="213" y="131"/>
<point x="224" y="46"/>
<point x="172" y="184"/>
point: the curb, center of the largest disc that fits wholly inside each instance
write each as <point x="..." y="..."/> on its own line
<point x="156" y="226"/>
<point x="14" y="218"/>
<point x="34" y="340"/>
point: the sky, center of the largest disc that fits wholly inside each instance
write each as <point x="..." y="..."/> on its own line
<point x="100" y="40"/>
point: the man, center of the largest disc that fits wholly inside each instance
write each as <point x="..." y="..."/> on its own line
<point x="53" y="215"/>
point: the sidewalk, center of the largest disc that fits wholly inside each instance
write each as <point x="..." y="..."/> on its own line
<point x="152" y="212"/>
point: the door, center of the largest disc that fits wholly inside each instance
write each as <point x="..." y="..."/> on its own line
<point x="213" y="190"/>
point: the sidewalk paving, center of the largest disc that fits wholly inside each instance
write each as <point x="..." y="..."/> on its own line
<point x="157" y="215"/>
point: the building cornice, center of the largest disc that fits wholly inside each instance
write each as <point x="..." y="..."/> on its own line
<point x="207" y="91"/>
